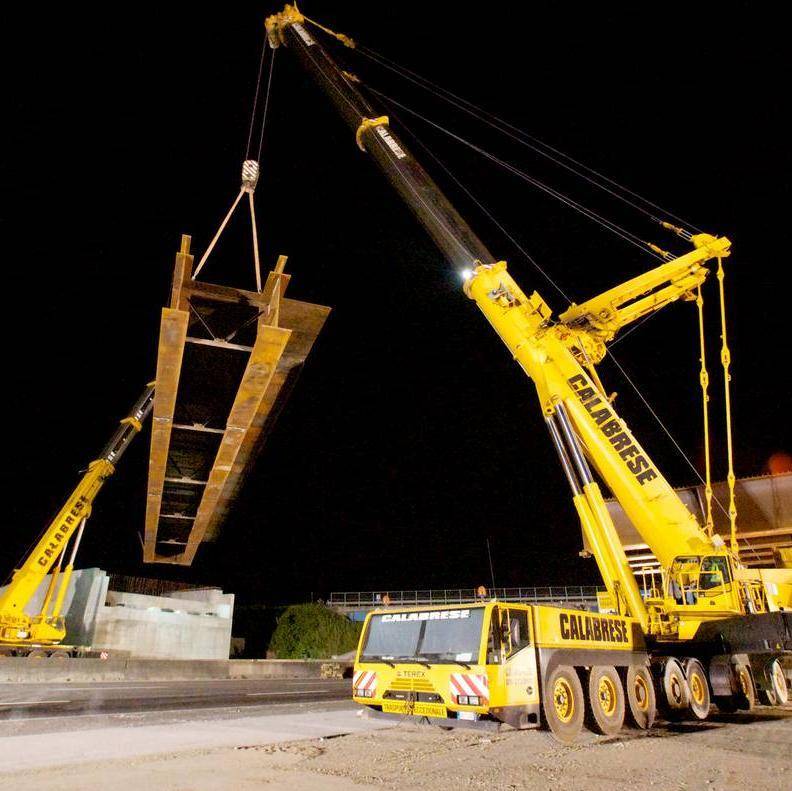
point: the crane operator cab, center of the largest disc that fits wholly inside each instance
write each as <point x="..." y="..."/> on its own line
<point x="710" y="582"/>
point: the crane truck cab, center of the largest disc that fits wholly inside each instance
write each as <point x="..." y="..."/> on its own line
<point x="494" y="663"/>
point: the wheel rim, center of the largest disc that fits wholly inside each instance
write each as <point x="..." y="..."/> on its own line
<point x="676" y="689"/>
<point x="606" y="692"/>
<point x="697" y="689"/>
<point x="641" y="690"/>
<point x="563" y="700"/>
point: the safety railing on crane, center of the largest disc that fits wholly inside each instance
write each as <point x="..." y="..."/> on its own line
<point x="579" y="595"/>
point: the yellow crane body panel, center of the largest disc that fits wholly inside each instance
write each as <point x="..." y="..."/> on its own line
<point x="481" y="663"/>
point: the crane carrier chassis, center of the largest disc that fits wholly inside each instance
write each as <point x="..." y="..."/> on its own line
<point x="494" y="663"/>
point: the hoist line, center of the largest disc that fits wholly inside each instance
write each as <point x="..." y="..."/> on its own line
<point x="266" y="103"/>
<point x="484" y="209"/>
<point x="255" y="98"/>
<point x="524" y="138"/>
<point x="618" y="230"/>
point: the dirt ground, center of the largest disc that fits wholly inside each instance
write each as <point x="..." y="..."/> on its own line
<point x="745" y="752"/>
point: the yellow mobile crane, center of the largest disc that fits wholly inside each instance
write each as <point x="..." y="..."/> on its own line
<point x="22" y="634"/>
<point x="716" y="630"/>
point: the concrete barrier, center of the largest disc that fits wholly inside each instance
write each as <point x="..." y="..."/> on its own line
<point x="288" y="668"/>
<point x="23" y="670"/>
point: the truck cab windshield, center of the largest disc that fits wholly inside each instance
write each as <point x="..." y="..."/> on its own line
<point x="434" y="636"/>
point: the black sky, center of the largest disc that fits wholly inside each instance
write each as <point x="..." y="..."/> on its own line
<point x="411" y="436"/>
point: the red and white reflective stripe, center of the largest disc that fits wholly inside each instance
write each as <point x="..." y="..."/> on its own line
<point x="470" y="684"/>
<point x="364" y="679"/>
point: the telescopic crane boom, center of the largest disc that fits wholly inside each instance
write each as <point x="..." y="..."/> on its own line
<point x="47" y="627"/>
<point x="704" y="580"/>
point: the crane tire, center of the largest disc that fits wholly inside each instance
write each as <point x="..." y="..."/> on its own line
<point x="674" y="686"/>
<point x="605" y="700"/>
<point x="778" y="693"/>
<point x="766" y="697"/>
<point x="699" y="705"/>
<point x="564" y="703"/>
<point x="746" y="691"/>
<point x="36" y="653"/>
<point x="641" y="698"/>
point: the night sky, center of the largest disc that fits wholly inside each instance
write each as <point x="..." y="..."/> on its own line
<point x="411" y="437"/>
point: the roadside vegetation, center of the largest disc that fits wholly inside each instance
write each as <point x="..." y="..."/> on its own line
<point x="312" y="631"/>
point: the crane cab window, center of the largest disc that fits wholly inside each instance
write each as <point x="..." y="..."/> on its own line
<point x="519" y="631"/>
<point x="683" y="583"/>
<point x="714" y="572"/>
<point x="494" y="651"/>
<point x="509" y="632"/>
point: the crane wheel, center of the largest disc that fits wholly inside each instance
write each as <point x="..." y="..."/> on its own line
<point x="563" y="703"/>
<point x="641" y="698"/>
<point x="699" y="705"/>
<point x="36" y="653"/>
<point x="606" y="700"/>
<point x="777" y="694"/>
<point x="746" y="691"/>
<point x="674" y="686"/>
<point x="766" y="697"/>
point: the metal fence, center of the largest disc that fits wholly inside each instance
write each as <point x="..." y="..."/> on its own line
<point x="563" y="594"/>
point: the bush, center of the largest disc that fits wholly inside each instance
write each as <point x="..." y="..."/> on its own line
<point x="313" y="631"/>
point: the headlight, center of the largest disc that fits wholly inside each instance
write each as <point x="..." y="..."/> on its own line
<point x="462" y="700"/>
<point x="473" y="700"/>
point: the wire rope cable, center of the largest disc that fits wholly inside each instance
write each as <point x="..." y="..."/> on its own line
<point x="484" y="209"/>
<point x="417" y="196"/>
<point x="266" y="103"/>
<point x="256" y="97"/>
<point x="552" y="153"/>
<point x="609" y="225"/>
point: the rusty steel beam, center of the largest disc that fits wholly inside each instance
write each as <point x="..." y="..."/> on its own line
<point x="217" y="293"/>
<point x="263" y="361"/>
<point x="182" y="275"/>
<point x="173" y="332"/>
<point x="254" y="380"/>
<point x="306" y="320"/>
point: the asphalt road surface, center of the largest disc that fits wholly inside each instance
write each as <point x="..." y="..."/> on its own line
<point x="40" y="700"/>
